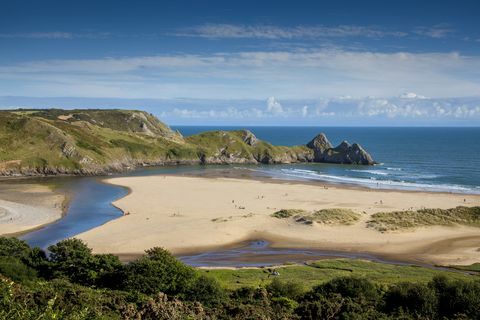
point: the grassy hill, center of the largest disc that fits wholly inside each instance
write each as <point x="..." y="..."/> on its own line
<point x="54" y="141"/>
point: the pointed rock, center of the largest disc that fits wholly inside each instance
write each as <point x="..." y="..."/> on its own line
<point x="320" y="142"/>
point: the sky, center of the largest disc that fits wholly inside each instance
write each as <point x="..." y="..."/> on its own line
<point x="355" y="63"/>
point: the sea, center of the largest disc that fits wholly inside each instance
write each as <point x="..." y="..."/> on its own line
<point x="410" y="158"/>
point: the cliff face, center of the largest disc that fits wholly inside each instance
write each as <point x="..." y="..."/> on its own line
<point x="92" y="142"/>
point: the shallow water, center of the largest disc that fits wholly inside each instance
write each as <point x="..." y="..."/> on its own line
<point x="258" y="253"/>
<point x="90" y="206"/>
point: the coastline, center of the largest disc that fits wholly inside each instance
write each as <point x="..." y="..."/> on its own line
<point x="128" y="236"/>
<point x="27" y="207"/>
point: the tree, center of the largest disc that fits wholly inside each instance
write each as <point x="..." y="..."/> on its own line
<point x="13" y="247"/>
<point x="72" y="259"/>
<point x="414" y="298"/>
<point x="158" y="271"/>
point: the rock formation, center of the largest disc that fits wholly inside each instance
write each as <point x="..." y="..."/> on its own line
<point x="344" y="153"/>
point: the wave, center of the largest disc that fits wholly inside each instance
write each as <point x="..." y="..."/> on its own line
<point x="394" y="169"/>
<point x="376" y="183"/>
<point x="377" y="172"/>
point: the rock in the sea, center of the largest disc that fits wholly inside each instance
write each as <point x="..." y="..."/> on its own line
<point x="344" y="153"/>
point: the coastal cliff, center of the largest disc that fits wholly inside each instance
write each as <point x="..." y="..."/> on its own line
<point x="93" y="142"/>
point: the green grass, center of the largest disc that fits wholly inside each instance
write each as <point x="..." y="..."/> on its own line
<point x="325" y="270"/>
<point x="333" y="216"/>
<point x="473" y="267"/>
<point x="287" y="213"/>
<point x="401" y="220"/>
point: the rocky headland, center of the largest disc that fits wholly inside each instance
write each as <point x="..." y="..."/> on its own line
<point x="95" y="142"/>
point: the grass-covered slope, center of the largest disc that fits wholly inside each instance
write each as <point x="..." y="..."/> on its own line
<point x="58" y="141"/>
<point x="84" y="141"/>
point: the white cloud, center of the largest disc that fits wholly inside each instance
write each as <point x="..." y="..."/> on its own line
<point x="411" y="95"/>
<point x="274" y="107"/>
<point x="218" y="31"/>
<point x="248" y="75"/>
<point x="436" y="32"/>
<point x="304" y="111"/>
<point x="275" y="32"/>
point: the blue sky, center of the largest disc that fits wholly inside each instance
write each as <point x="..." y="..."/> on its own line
<point x="247" y="62"/>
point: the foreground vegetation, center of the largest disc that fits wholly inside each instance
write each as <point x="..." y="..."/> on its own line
<point x="401" y="220"/>
<point x="73" y="283"/>
<point x="334" y="216"/>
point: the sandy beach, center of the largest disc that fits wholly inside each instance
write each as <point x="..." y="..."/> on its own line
<point x="27" y="206"/>
<point x="189" y="214"/>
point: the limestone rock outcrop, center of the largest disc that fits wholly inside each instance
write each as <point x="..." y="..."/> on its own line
<point x="344" y="153"/>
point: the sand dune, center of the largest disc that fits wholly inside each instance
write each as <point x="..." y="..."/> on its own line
<point x="188" y="214"/>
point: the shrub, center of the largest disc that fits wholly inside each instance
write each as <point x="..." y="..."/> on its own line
<point x="72" y="259"/>
<point x="13" y="247"/>
<point x="16" y="270"/>
<point x="290" y="289"/>
<point x="158" y="271"/>
<point x="413" y="298"/>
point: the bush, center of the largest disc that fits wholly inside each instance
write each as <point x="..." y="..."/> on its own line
<point x="73" y="260"/>
<point x="16" y="270"/>
<point x="413" y="298"/>
<point x="206" y="290"/>
<point x="457" y="298"/>
<point x="358" y="289"/>
<point x="13" y="247"/>
<point x="290" y="289"/>
<point x="158" y="271"/>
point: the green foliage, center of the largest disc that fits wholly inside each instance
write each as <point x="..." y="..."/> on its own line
<point x="16" y="270"/>
<point x="206" y="290"/>
<point x="412" y="298"/>
<point x="82" y="285"/>
<point x="158" y="271"/>
<point x="358" y="289"/>
<point x="13" y="247"/>
<point x="288" y="289"/>
<point x="73" y="260"/>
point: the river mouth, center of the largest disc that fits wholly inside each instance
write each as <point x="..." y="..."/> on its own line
<point x="91" y="206"/>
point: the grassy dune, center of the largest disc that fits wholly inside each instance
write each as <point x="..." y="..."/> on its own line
<point x="403" y="220"/>
<point x="334" y="216"/>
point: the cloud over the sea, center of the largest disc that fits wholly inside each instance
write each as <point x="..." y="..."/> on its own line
<point x="405" y="109"/>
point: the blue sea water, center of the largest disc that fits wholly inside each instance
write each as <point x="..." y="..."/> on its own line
<point x="431" y="159"/>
